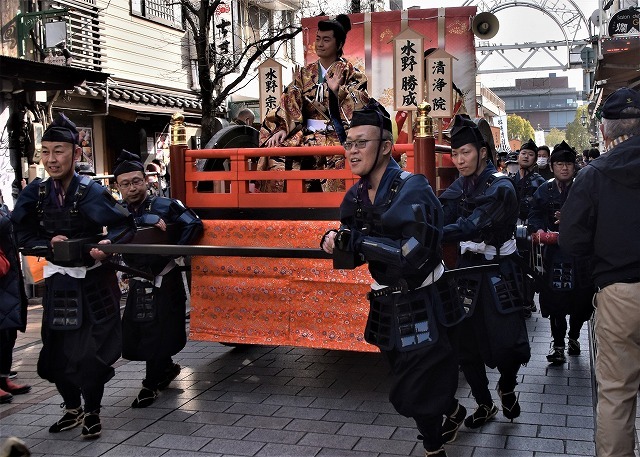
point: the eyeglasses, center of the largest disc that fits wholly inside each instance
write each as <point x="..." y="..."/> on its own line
<point x="134" y="182"/>
<point x="359" y="144"/>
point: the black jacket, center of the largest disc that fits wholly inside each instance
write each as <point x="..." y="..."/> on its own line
<point x="13" y="300"/>
<point x="601" y="217"/>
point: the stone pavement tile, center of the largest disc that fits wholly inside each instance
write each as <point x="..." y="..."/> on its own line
<point x="205" y="405"/>
<point x="66" y="447"/>
<point x="223" y="431"/>
<point x="180" y="442"/>
<point x="552" y="419"/>
<point x="178" y="415"/>
<point x="369" y="431"/>
<point x="248" y="408"/>
<point x="150" y="412"/>
<point x="325" y="452"/>
<point x="274" y="436"/>
<point x="179" y="453"/>
<point x="318" y="426"/>
<point x="311" y="382"/>
<point x="406" y="434"/>
<point x="141" y="438"/>
<point x="175" y="428"/>
<point x="583" y="447"/>
<point x="324" y="440"/>
<point x="380" y="445"/>
<point x="329" y="358"/>
<point x="542" y="380"/>
<point x="488" y="452"/>
<point x="96" y="449"/>
<point x="23" y="431"/>
<point x="567" y="409"/>
<point x="277" y="389"/>
<point x="580" y="422"/>
<point x="535" y="444"/>
<point x="580" y="400"/>
<point x="207" y="417"/>
<point x="481" y="438"/>
<point x="115" y="436"/>
<point x="295" y="412"/>
<point x="239" y="397"/>
<point x="336" y="403"/>
<point x="210" y="395"/>
<point x="357" y="417"/>
<point x="136" y="424"/>
<point x="394" y="419"/>
<point x="373" y="392"/>
<point x="284" y="450"/>
<point x="288" y="400"/>
<point x="300" y="373"/>
<point x="276" y="423"/>
<point x="235" y="447"/>
<point x="567" y="433"/>
<point x="124" y="450"/>
<point x="525" y="397"/>
<point x="19" y="419"/>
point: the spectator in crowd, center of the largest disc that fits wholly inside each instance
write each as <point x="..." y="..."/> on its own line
<point x="245" y="117"/>
<point x="600" y="218"/>
<point x="542" y="162"/>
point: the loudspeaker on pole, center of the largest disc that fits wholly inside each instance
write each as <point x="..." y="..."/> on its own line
<point x="485" y="25"/>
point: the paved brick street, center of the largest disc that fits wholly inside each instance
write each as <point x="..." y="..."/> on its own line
<point x="283" y="401"/>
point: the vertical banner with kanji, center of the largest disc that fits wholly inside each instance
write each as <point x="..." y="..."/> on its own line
<point x="439" y="83"/>
<point x="408" y="70"/>
<point x="270" y="78"/>
<point x="223" y="35"/>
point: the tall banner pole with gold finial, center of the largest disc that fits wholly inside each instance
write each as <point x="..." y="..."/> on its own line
<point x="176" y="156"/>
<point x="425" y="145"/>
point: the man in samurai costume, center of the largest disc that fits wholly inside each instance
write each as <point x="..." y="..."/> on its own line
<point x="568" y="288"/>
<point x="316" y="108"/>
<point x="527" y="181"/>
<point x="153" y="324"/>
<point x="392" y="220"/>
<point x="81" y="333"/>
<point x="480" y="212"/>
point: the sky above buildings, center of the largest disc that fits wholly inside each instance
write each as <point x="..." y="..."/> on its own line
<point x="520" y="25"/>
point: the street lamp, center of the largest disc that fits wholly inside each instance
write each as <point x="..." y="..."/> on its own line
<point x="583" y="120"/>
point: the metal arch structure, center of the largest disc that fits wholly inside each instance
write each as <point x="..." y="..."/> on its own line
<point x="567" y="16"/>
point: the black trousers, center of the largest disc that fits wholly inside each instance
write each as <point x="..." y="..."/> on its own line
<point x="7" y="342"/>
<point x="156" y="371"/>
<point x="559" y="328"/>
<point x="72" y="395"/>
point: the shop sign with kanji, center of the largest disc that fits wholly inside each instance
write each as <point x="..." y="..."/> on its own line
<point x="439" y="81"/>
<point x="408" y="70"/>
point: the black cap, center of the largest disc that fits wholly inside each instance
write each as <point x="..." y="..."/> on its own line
<point x="62" y="130"/>
<point x="465" y="131"/>
<point x="563" y="153"/>
<point x="127" y="162"/>
<point x="530" y="145"/>
<point x="618" y="101"/>
<point x="372" y="114"/>
<point x="512" y="157"/>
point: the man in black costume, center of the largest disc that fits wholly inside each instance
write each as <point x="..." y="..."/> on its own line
<point x="568" y="286"/>
<point x="81" y="334"/>
<point x="480" y="212"/>
<point x="527" y="181"/>
<point x="392" y="220"/>
<point x="153" y="324"/>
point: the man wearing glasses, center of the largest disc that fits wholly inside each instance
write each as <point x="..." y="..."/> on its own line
<point x="392" y="220"/>
<point x="153" y="324"/>
<point x="568" y="285"/>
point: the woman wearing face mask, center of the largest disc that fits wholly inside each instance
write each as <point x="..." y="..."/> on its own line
<point x="544" y="169"/>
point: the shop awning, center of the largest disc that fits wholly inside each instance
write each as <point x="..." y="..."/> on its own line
<point x="29" y="75"/>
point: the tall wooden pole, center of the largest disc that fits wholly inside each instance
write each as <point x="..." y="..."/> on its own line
<point x="176" y="157"/>
<point x="425" y="145"/>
